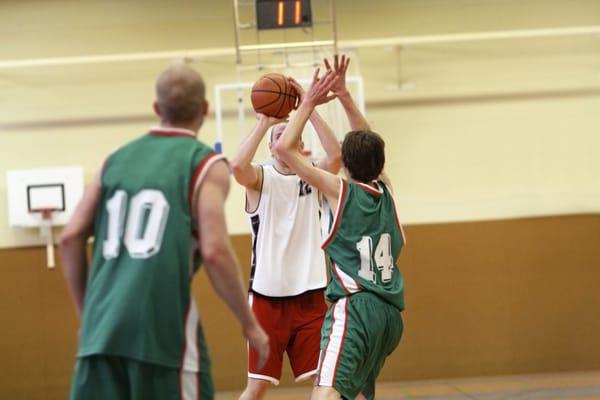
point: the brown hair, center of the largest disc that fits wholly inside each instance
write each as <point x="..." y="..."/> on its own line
<point x="363" y="155"/>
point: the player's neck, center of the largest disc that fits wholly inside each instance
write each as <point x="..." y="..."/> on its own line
<point x="190" y="127"/>
<point x="282" y="168"/>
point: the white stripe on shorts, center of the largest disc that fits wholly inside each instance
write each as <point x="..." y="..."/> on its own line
<point x="189" y="385"/>
<point x="334" y="346"/>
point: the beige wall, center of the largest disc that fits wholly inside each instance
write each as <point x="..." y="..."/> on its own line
<point x="479" y="131"/>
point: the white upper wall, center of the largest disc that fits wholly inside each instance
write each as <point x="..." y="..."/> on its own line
<point x="479" y="131"/>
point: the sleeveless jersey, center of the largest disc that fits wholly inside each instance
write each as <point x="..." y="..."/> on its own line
<point x="286" y="233"/>
<point x="364" y="243"/>
<point x="138" y="301"/>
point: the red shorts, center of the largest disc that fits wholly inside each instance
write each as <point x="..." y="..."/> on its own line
<point x="294" y="326"/>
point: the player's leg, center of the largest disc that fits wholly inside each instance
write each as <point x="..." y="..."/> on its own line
<point x="358" y="334"/>
<point x="340" y="364"/>
<point x="99" y="377"/>
<point x="155" y="382"/>
<point x="389" y="321"/>
<point x="304" y="348"/>
<point x="255" y="389"/>
<point x="272" y="319"/>
<point x="325" y="393"/>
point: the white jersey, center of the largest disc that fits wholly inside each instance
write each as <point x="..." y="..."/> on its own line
<point x="287" y="259"/>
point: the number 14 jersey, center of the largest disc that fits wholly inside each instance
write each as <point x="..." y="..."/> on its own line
<point x="364" y="242"/>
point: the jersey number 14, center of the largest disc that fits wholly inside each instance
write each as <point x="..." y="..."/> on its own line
<point x="145" y="227"/>
<point x="382" y="257"/>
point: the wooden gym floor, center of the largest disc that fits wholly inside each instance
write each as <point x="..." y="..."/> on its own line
<point x="563" y="386"/>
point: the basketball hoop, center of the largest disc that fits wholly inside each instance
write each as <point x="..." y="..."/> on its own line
<point x="46" y="231"/>
<point x="307" y="153"/>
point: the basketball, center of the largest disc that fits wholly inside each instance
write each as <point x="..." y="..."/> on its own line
<point x="273" y="96"/>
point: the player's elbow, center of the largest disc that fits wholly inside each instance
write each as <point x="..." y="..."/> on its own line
<point x="238" y="171"/>
<point x="281" y="150"/>
<point x="214" y="255"/>
<point x="67" y="238"/>
<point x="335" y="161"/>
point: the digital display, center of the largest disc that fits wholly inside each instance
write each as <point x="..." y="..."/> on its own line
<point x="275" y="14"/>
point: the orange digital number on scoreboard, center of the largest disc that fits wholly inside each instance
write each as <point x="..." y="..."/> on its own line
<point x="275" y="14"/>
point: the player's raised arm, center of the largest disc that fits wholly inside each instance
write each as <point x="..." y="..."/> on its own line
<point x="244" y="172"/>
<point x="332" y="161"/>
<point x="287" y="146"/>
<point x="220" y="262"/>
<point x="73" y="243"/>
<point x="356" y="119"/>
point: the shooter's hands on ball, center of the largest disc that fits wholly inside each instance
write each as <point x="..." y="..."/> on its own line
<point x="267" y="121"/>
<point x="298" y="89"/>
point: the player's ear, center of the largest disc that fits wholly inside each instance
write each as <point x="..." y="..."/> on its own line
<point x="205" y="107"/>
<point x="156" y="108"/>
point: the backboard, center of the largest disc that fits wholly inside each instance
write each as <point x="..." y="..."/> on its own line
<point x="32" y="190"/>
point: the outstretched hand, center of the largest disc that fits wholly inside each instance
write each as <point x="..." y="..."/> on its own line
<point x="318" y="92"/>
<point x="340" y="66"/>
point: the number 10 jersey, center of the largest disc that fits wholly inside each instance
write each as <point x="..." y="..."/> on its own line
<point x="138" y="302"/>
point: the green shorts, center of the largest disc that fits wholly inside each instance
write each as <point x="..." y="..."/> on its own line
<point x="359" y="332"/>
<point x="102" y="377"/>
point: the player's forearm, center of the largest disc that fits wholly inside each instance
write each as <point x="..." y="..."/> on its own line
<point x="241" y="163"/>
<point x="74" y="259"/>
<point x="224" y="274"/>
<point x="288" y="142"/>
<point x="356" y="119"/>
<point x="329" y="142"/>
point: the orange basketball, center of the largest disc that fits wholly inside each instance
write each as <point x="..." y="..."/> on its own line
<point x="273" y="96"/>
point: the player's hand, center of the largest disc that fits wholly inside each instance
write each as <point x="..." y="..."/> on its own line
<point x="259" y="341"/>
<point x="340" y="66"/>
<point x="318" y="92"/>
<point x="298" y="89"/>
<point x="267" y="121"/>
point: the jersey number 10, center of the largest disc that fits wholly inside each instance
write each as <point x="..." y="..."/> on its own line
<point x="382" y="257"/>
<point x="146" y="221"/>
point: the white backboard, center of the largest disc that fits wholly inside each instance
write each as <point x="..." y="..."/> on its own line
<point x="29" y="190"/>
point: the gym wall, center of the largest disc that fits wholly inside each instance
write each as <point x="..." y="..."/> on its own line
<point x="483" y="298"/>
<point x="492" y="149"/>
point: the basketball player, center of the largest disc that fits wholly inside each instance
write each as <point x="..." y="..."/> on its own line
<point x="288" y="275"/>
<point x="363" y="324"/>
<point x="155" y="211"/>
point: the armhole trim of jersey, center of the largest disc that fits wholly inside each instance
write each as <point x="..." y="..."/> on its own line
<point x="396" y="213"/>
<point x="375" y="192"/>
<point x="338" y="213"/>
<point x="260" y="190"/>
<point x="200" y="173"/>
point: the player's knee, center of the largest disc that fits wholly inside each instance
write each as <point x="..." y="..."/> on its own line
<point x="255" y="390"/>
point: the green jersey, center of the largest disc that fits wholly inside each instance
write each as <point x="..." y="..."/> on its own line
<point x="364" y="243"/>
<point x="138" y="302"/>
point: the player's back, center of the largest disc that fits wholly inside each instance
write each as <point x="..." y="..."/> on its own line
<point x="364" y="243"/>
<point x="138" y="298"/>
